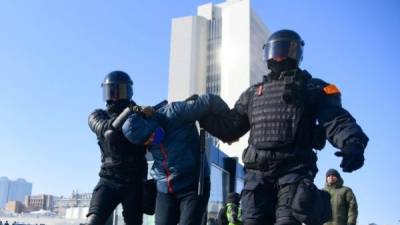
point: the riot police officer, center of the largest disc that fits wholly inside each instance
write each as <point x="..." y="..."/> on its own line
<point x="285" y="114"/>
<point x="123" y="164"/>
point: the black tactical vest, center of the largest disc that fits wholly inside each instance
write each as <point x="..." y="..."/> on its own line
<point x="275" y="110"/>
<point x="119" y="157"/>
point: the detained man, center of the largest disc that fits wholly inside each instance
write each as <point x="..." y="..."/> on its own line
<point x="174" y="142"/>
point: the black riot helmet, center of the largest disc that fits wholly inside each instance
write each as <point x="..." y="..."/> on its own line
<point x="117" y="85"/>
<point x="284" y="44"/>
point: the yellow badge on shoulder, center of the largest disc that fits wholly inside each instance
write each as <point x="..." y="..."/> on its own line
<point x="331" y="89"/>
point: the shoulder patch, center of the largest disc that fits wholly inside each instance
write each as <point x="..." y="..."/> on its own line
<point x="331" y="89"/>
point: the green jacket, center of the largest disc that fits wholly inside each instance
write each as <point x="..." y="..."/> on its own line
<point x="344" y="204"/>
<point x="230" y="214"/>
<point x="233" y="214"/>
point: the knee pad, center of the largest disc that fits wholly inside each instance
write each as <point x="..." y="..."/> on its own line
<point x="284" y="211"/>
<point x="310" y="205"/>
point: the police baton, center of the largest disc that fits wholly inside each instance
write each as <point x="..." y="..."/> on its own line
<point x="200" y="187"/>
<point x="119" y="121"/>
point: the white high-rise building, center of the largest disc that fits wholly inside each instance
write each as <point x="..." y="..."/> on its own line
<point x="217" y="51"/>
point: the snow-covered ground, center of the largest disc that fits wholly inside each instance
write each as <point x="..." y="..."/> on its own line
<point x="22" y="219"/>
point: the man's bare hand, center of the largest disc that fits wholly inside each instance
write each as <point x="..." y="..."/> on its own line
<point x="148" y="111"/>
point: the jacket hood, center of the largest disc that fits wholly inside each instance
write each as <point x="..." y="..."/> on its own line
<point x="337" y="184"/>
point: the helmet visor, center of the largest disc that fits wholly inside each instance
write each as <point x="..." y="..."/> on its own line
<point x="283" y="48"/>
<point x="115" y="91"/>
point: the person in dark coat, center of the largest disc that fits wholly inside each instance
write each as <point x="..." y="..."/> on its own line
<point x="123" y="164"/>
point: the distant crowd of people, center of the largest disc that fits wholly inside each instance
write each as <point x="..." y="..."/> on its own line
<point x="15" y="223"/>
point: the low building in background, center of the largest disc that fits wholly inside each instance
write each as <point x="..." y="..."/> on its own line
<point x="15" y="207"/>
<point x="76" y="200"/>
<point x="76" y="212"/>
<point x="39" y="202"/>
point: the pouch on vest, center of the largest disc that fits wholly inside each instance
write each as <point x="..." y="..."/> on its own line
<point x="256" y="159"/>
<point x="249" y="157"/>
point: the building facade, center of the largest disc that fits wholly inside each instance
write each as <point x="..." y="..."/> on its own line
<point x="76" y="200"/>
<point x="76" y="212"/>
<point x="39" y="202"/>
<point x="13" y="190"/>
<point x="218" y="51"/>
<point x="4" y="184"/>
<point x="15" y="207"/>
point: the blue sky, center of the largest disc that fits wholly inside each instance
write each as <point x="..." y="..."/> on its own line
<point x="54" y="55"/>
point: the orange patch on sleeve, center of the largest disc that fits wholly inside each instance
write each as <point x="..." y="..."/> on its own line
<point x="331" y="89"/>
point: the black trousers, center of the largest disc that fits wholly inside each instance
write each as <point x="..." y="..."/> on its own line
<point x="108" y="194"/>
<point x="183" y="208"/>
<point x="269" y="200"/>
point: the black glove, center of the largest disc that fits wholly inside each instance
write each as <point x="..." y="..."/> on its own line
<point x="353" y="157"/>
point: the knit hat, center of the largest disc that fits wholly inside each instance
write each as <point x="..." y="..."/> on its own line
<point x="138" y="129"/>
<point x="332" y="172"/>
<point x="233" y="197"/>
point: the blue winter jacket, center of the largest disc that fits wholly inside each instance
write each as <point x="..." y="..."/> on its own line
<point x="176" y="158"/>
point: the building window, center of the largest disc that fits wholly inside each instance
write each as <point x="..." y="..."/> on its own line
<point x="239" y="185"/>
<point x="219" y="190"/>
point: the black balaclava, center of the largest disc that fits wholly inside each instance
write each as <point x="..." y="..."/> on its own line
<point x="117" y="106"/>
<point x="278" y="67"/>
